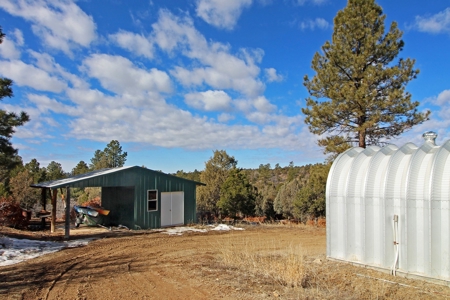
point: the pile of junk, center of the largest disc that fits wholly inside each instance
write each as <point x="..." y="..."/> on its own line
<point x="91" y="216"/>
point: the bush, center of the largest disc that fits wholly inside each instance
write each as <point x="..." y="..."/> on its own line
<point x="11" y="214"/>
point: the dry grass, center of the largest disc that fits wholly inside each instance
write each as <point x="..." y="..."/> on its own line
<point x="298" y="273"/>
<point x="284" y="267"/>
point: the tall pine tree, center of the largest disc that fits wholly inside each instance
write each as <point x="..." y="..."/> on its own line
<point x="8" y="122"/>
<point x="216" y="172"/>
<point x="358" y="92"/>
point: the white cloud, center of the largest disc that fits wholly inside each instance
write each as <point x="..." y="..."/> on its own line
<point x="28" y="75"/>
<point x="443" y="98"/>
<point x="313" y="24"/>
<point x="120" y="75"/>
<point x="45" y="104"/>
<point x="8" y="49"/>
<point x="60" y="23"/>
<point x="47" y="63"/>
<point x="19" y="37"/>
<point x="99" y="117"/>
<point x="263" y="105"/>
<point x="220" y="70"/>
<point x="209" y="100"/>
<point x="36" y="127"/>
<point x="272" y="75"/>
<point x="438" y="23"/>
<point x="134" y="43"/>
<point x="225" y="117"/>
<point x="221" y="14"/>
<point x="259" y="104"/>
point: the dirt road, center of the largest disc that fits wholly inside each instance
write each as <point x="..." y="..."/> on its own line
<point x="158" y="266"/>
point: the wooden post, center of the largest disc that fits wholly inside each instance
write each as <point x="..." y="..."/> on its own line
<point x="52" y="226"/>
<point x="67" y="225"/>
<point x="43" y="196"/>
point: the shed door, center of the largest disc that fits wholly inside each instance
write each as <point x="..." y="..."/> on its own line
<point x="172" y="208"/>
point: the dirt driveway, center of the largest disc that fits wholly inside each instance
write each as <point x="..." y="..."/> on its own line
<point x="190" y="266"/>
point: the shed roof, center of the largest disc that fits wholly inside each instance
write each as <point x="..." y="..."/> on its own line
<point x="77" y="179"/>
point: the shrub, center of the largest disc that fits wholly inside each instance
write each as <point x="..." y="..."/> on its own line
<point x="11" y="214"/>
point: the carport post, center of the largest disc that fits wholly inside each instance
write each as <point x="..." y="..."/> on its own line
<point x="67" y="227"/>
<point x="52" y="226"/>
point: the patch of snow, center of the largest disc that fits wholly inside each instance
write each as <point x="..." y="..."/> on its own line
<point x="181" y="230"/>
<point x="13" y="251"/>
<point x="226" y="227"/>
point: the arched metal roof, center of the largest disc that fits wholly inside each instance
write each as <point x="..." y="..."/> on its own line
<point x="366" y="188"/>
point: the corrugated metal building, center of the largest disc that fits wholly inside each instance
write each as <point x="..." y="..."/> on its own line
<point x="138" y="197"/>
<point x="390" y="208"/>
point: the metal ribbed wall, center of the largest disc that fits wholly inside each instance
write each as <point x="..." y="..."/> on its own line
<point x="367" y="187"/>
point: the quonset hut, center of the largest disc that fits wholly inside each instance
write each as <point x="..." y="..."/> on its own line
<point x="389" y="208"/>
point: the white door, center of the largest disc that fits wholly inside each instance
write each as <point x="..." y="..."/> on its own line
<point x="177" y="208"/>
<point x="172" y="208"/>
<point x="166" y="209"/>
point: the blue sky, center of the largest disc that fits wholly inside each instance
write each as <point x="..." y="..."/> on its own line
<point x="174" y="80"/>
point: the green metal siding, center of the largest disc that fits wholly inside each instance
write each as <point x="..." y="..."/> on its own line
<point x="163" y="183"/>
<point x="120" y="201"/>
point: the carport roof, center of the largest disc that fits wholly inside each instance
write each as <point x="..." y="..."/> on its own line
<point x="53" y="184"/>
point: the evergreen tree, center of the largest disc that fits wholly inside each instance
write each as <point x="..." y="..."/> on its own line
<point x="367" y="102"/>
<point x="80" y="168"/>
<point x="33" y="167"/>
<point x="114" y="154"/>
<point x="310" y="199"/>
<point x="99" y="161"/>
<point x="284" y="201"/>
<point x="8" y="122"/>
<point x="55" y="171"/>
<point x="111" y="157"/>
<point x="195" y="176"/>
<point x="237" y="195"/>
<point x="215" y="173"/>
<point x="291" y="172"/>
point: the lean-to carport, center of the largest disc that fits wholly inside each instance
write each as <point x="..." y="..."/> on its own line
<point x="133" y="194"/>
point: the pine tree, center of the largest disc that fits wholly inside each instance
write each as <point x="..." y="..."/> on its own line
<point x="367" y="102"/>
<point x="114" y="154"/>
<point x="111" y="157"/>
<point x="216" y="172"/>
<point x="310" y="199"/>
<point x="8" y="122"/>
<point x="237" y="195"/>
<point x="80" y="168"/>
<point x="55" y="171"/>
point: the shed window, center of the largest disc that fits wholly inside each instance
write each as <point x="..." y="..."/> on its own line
<point x="152" y="200"/>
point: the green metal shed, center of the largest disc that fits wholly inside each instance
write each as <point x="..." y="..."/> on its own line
<point x="138" y="197"/>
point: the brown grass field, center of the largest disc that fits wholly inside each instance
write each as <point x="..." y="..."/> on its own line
<point x="260" y="262"/>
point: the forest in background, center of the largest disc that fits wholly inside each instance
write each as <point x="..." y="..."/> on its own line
<point x="289" y="192"/>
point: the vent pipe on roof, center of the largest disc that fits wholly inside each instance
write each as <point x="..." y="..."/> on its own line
<point x="430" y="137"/>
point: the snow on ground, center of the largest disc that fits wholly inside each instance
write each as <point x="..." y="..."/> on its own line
<point x="225" y="227"/>
<point x="13" y="251"/>
<point x="181" y="230"/>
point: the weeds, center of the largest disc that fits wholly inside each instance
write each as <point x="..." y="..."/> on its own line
<point x="283" y="266"/>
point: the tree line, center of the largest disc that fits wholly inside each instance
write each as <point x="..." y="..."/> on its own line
<point x="281" y="192"/>
<point x="16" y="186"/>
